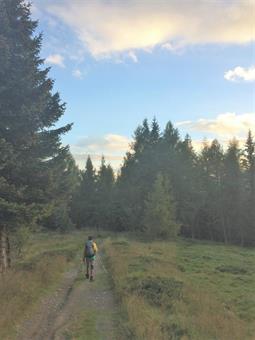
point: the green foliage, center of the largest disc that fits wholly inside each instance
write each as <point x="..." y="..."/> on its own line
<point x="92" y="204"/>
<point x="249" y="194"/>
<point x="104" y="196"/>
<point x="20" y="239"/>
<point x="157" y="291"/>
<point x="83" y="206"/>
<point x="65" y="185"/>
<point x="33" y="162"/>
<point x="159" y="214"/>
<point x="211" y="195"/>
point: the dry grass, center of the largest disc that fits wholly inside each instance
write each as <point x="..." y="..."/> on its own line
<point x="167" y="290"/>
<point x="45" y="259"/>
<point x="206" y="317"/>
<point x="198" y="313"/>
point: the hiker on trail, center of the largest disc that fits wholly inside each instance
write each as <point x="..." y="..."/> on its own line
<point x="89" y="256"/>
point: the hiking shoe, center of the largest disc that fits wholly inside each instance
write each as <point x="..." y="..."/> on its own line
<point x="87" y="276"/>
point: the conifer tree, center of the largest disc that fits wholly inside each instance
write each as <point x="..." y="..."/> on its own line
<point x="249" y="164"/>
<point x="171" y="135"/>
<point x="168" y="153"/>
<point x="155" y="132"/>
<point x="159" y="215"/>
<point x="141" y="138"/>
<point x="187" y="187"/>
<point x="84" y="201"/>
<point x="28" y="113"/>
<point x="232" y="225"/>
<point x="65" y="185"/>
<point x="105" y="185"/>
<point x="249" y="204"/>
<point x="211" y="162"/>
<point x="88" y="184"/>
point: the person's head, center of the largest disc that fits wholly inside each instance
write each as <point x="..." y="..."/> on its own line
<point x="90" y="238"/>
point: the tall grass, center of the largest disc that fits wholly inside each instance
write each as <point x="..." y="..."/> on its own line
<point x="169" y="291"/>
<point x="46" y="257"/>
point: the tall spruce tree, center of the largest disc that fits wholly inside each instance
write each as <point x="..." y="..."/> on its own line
<point x="83" y="209"/>
<point x="155" y="132"/>
<point x="210" y="217"/>
<point x="139" y="171"/>
<point x="28" y="113"/>
<point x="104" y="201"/>
<point x="249" y="182"/>
<point x="159" y="215"/>
<point x="188" y="192"/>
<point x="232" y="196"/>
<point x="141" y="137"/>
<point x="65" y="185"/>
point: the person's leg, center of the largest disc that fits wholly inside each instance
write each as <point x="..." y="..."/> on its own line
<point x="87" y="268"/>
<point x="91" y="269"/>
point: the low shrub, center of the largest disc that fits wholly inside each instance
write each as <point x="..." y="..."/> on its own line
<point x="157" y="291"/>
<point x="173" y="331"/>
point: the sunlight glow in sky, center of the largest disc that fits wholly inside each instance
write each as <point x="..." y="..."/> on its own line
<point x="115" y="63"/>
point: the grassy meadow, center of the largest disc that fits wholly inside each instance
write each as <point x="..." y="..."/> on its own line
<point x="184" y="290"/>
<point x="166" y="290"/>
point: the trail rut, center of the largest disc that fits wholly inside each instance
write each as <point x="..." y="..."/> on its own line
<point x="75" y="303"/>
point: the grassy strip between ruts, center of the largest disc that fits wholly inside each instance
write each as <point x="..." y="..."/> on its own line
<point x="45" y="259"/>
<point x="184" y="290"/>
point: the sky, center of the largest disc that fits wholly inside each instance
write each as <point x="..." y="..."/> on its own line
<point x="117" y="62"/>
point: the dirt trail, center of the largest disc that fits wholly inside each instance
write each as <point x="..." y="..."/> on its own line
<point x="77" y="303"/>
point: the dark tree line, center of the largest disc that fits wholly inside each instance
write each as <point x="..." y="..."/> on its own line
<point x="93" y="201"/>
<point x="37" y="173"/>
<point x="165" y="188"/>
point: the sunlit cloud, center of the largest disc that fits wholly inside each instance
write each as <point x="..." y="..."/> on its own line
<point x="109" y="142"/>
<point x="224" y="126"/>
<point x="198" y="144"/>
<point x="113" y="147"/>
<point x="55" y="59"/>
<point x="107" y="28"/>
<point x="241" y="74"/>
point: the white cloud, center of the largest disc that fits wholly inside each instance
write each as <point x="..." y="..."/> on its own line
<point x="109" y="142"/>
<point x="112" y="146"/>
<point x="110" y="27"/>
<point x="175" y="47"/>
<point x="77" y="74"/>
<point x="199" y="143"/>
<point x="168" y="46"/>
<point x="241" y="74"/>
<point x="225" y="126"/>
<point x="55" y="59"/>
<point x="133" y="56"/>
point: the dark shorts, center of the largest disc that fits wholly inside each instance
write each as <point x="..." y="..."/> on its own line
<point x="90" y="261"/>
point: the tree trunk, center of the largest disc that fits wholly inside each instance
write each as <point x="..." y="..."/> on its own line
<point x="5" y="260"/>
<point x="8" y="251"/>
<point x="225" y="231"/>
<point x="242" y="238"/>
